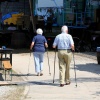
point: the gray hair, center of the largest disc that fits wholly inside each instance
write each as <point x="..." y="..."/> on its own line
<point x="39" y="31"/>
<point x="64" y="28"/>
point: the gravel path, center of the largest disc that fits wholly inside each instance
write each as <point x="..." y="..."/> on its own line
<point x="11" y="92"/>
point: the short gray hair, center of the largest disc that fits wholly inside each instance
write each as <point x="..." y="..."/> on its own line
<point x="64" y="28"/>
<point x="39" y="31"/>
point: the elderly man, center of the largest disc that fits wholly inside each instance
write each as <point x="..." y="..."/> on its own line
<point x="65" y="46"/>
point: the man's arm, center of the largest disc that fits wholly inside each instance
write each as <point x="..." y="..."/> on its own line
<point x="72" y="47"/>
<point x="72" y="43"/>
<point x="54" y="46"/>
<point x="55" y="43"/>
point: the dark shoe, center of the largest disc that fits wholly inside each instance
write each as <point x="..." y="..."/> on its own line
<point x="67" y="83"/>
<point x="41" y="74"/>
<point x="61" y="85"/>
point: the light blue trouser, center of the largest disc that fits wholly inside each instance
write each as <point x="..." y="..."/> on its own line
<point x="38" y="59"/>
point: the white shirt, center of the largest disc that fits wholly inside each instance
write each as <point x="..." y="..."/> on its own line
<point x="63" y="41"/>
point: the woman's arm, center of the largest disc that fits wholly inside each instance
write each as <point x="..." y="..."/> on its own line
<point x="46" y="45"/>
<point x="31" y="46"/>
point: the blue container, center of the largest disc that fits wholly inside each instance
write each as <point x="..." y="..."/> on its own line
<point x="98" y="49"/>
<point x="3" y="47"/>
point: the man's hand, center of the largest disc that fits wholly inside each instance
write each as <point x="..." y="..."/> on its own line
<point x="73" y="50"/>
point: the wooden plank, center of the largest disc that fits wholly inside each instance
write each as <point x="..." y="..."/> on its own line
<point x="7" y="65"/>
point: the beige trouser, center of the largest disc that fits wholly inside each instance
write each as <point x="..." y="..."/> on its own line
<point x="64" y="57"/>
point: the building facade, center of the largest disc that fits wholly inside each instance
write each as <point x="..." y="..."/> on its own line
<point x="71" y="12"/>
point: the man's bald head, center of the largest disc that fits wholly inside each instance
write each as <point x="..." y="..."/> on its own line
<point x="64" y="29"/>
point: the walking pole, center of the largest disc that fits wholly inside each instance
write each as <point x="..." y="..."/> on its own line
<point x="48" y="62"/>
<point x="29" y="63"/>
<point x="74" y="69"/>
<point x="54" y="66"/>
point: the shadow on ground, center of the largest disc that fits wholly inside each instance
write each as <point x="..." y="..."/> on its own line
<point x="89" y="67"/>
<point x="1" y="78"/>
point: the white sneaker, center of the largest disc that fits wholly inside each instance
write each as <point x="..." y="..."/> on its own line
<point x="38" y="74"/>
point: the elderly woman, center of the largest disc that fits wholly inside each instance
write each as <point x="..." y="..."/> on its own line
<point x="38" y="45"/>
